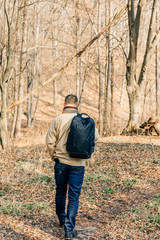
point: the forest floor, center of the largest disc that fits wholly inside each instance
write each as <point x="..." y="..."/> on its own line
<point x="120" y="197"/>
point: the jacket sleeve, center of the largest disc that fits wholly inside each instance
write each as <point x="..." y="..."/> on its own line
<point x="96" y="134"/>
<point x="51" y="139"/>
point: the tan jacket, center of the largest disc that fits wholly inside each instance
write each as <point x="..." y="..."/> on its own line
<point x="56" y="138"/>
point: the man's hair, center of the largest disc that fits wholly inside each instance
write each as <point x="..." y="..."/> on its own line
<point x="71" y="99"/>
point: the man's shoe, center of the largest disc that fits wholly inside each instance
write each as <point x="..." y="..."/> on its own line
<point x="61" y="224"/>
<point x="71" y="235"/>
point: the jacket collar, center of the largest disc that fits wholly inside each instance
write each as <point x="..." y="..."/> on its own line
<point x="69" y="109"/>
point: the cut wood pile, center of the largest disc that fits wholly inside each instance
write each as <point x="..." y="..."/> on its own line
<point x="148" y="128"/>
<point x="151" y="127"/>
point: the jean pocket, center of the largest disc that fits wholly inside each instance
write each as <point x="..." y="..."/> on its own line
<point x="59" y="168"/>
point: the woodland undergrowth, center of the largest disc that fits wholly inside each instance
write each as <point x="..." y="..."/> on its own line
<point x="120" y="197"/>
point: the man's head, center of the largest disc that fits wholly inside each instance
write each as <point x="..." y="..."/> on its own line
<point x="71" y="100"/>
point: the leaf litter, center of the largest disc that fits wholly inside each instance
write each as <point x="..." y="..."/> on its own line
<point x="120" y="196"/>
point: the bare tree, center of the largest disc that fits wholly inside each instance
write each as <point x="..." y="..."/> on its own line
<point x="54" y="53"/>
<point x="99" y="60"/>
<point x="157" y="64"/>
<point x="32" y="68"/>
<point x="72" y="59"/>
<point x="78" y="40"/>
<point x="5" y="61"/>
<point x="86" y="70"/>
<point x="134" y="83"/>
<point x="21" y="78"/>
<point x="15" y="99"/>
<point x="107" y="95"/>
<point x="112" y="93"/>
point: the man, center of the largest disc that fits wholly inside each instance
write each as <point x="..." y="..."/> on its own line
<point x="68" y="171"/>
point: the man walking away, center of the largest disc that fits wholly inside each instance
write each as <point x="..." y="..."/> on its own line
<point x="68" y="171"/>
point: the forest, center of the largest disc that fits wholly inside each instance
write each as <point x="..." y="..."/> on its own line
<point x="107" y="53"/>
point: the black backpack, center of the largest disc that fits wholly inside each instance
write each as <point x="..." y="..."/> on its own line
<point x="81" y="137"/>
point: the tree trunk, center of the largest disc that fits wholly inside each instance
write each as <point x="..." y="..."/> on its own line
<point x="157" y="82"/>
<point x="99" y="60"/>
<point x="134" y="96"/>
<point x="5" y="65"/>
<point x="3" y="117"/>
<point x="63" y="56"/>
<point x="21" y="79"/>
<point x="134" y="86"/>
<point x="29" y="79"/>
<point x="123" y="83"/>
<point x="78" y="62"/>
<point x="112" y="96"/>
<point x="55" y="57"/>
<point x="15" y="99"/>
<point x="55" y="95"/>
<point x="84" y="79"/>
<point x="144" y="105"/>
<point x="32" y="72"/>
<point x="29" y="104"/>
<point x="107" y="96"/>
<point x="157" y="71"/>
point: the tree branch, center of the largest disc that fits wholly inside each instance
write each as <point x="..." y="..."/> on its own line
<point x="138" y="20"/>
<point x="8" y="44"/>
<point x="119" y="41"/>
<point x="149" y="45"/>
<point x="13" y="11"/>
<point x="61" y="70"/>
<point x="130" y="16"/>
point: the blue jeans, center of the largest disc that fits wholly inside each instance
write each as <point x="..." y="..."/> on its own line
<point x="72" y="176"/>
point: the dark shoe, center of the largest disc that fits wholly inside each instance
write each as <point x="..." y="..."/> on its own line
<point x="71" y="235"/>
<point x="61" y="224"/>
